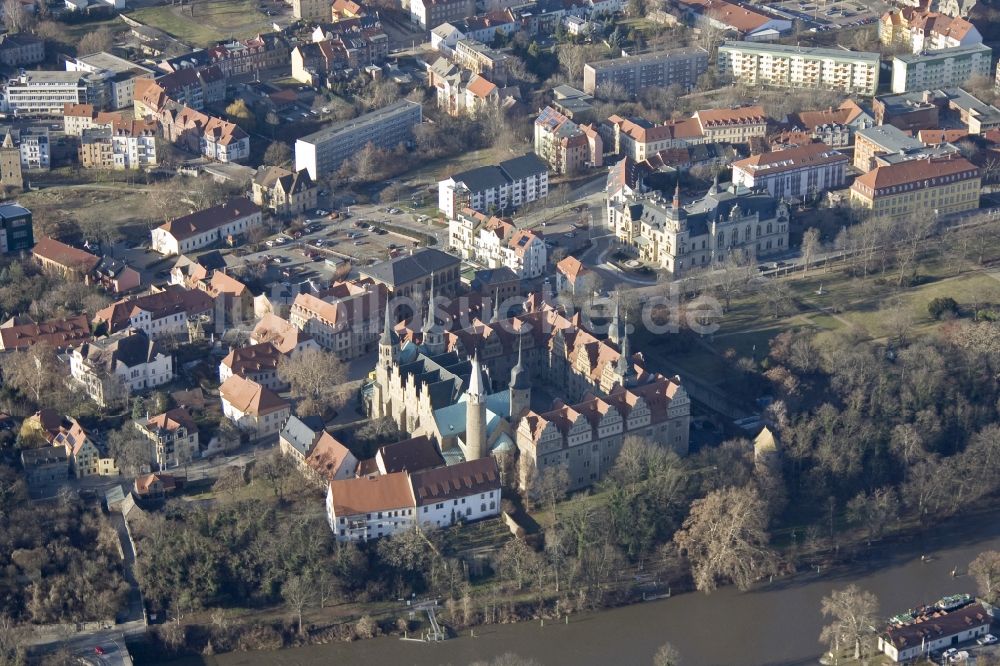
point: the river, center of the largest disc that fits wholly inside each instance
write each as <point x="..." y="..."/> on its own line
<point x="778" y="624"/>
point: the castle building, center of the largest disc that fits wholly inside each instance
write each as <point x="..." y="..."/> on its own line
<point x="471" y="390"/>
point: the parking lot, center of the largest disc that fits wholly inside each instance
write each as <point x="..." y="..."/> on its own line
<point x="829" y="14"/>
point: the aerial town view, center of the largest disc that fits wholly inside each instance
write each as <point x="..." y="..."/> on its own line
<point x="499" y="332"/>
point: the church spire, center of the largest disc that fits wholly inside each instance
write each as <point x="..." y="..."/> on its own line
<point x="715" y="184"/>
<point x="615" y="329"/>
<point x="676" y="204"/>
<point x="429" y="319"/>
<point x="518" y="375"/>
<point x="496" y="306"/>
<point x="389" y="336"/>
<point x="626" y="369"/>
<point x="477" y="388"/>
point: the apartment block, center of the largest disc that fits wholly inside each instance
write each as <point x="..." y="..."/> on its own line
<point x="938" y="69"/>
<point x="796" y="172"/>
<point x="565" y="146"/>
<point x="324" y="151"/>
<point x="634" y="73"/>
<point x="920" y="187"/>
<point x="799" y="67"/>
<point x="35" y="148"/>
<point x="881" y="140"/>
<point x="113" y="78"/>
<point x="508" y="185"/>
<point x="126" y="144"/>
<point x="495" y="242"/>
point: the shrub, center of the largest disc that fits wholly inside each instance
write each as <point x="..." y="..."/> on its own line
<point x="943" y="306"/>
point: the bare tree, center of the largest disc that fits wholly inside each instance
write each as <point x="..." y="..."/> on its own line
<point x="14" y="16"/>
<point x="986" y="570"/>
<point x="129" y="449"/>
<point x="94" y="42"/>
<point x="874" y="511"/>
<point x="810" y="246"/>
<point x="276" y="470"/>
<point x="34" y="372"/>
<point x="854" y="612"/>
<point x="298" y="593"/>
<point x="316" y="378"/>
<point x="230" y="482"/>
<point x="725" y="538"/>
<point x="667" y="655"/>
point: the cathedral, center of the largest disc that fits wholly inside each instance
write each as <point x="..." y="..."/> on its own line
<point x="471" y="390"/>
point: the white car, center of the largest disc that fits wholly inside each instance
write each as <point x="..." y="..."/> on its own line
<point x="269" y="243"/>
<point x="959" y="657"/>
<point x="949" y="653"/>
<point x="988" y="639"/>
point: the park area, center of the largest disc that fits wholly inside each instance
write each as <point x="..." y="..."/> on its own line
<point x="206" y="22"/>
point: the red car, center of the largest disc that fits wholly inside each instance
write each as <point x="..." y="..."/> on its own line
<point x="98" y="650"/>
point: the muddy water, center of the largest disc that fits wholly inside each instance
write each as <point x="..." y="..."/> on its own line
<point x="778" y="624"/>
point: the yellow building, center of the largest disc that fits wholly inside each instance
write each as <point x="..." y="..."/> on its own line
<point x="926" y="186"/>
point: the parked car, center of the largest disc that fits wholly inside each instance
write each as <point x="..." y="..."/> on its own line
<point x="948" y="654"/>
<point x="321" y="212"/>
<point x="269" y="243"/>
<point x="988" y="639"/>
<point x="959" y="657"/>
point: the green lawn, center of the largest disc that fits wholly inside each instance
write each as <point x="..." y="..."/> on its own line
<point x="213" y="20"/>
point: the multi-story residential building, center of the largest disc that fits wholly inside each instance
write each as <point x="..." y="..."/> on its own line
<point x="495" y="242"/>
<point x="566" y="147"/>
<point x="459" y="91"/>
<point x="429" y="14"/>
<point x="481" y="59"/>
<point x="20" y="49"/>
<point x="258" y="363"/>
<point x="736" y="125"/>
<point x="632" y="74"/>
<point x="923" y="30"/>
<point x="254" y="409"/>
<point x="36" y="154"/>
<point x="797" y="172"/>
<point x="639" y="139"/>
<point x="84" y="455"/>
<point x="730" y="17"/>
<point x="834" y="127"/>
<point x="113" y="78"/>
<point x="172" y="435"/>
<point x="939" y="69"/>
<point x="79" y="117"/>
<point x="346" y="319"/>
<point x="234" y="218"/>
<point x="111" y="369"/>
<point x="128" y="144"/>
<point x="910" y="111"/>
<point x="11" y="173"/>
<point x="263" y="52"/>
<point x="932" y="186"/>
<point x="412" y="275"/>
<point x="43" y="93"/>
<point x="799" y="67"/>
<point x="194" y="87"/>
<point x="501" y="188"/>
<point x="163" y="312"/>
<point x="374" y="506"/>
<point x="727" y="220"/>
<point x="20" y="333"/>
<point x="284" y="192"/>
<point x="16" y="229"/>
<point x="324" y="151"/>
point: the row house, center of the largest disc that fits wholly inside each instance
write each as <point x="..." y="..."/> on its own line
<point x="126" y="145"/>
<point x="374" y="506"/>
<point x="172" y="436"/>
<point x="231" y="219"/>
<point x="494" y="242"/>
<point x="930" y="186"/>
<point x="739" y="124"/>
<point x="195" y="87"/>
<point x="566" y="147"/>
<point x="162" y="312"/>
<point x="797" y="172"/>
<point x="255" y="409"/>
<point x="80" y="117"/>
<point x="109" y="370"/>
<point x="921" y="30"/>
<point x="503" y="187"/>
<point x="251" y="55"/>
<point x="345" y="319"/>
<point x="284" y="192"/>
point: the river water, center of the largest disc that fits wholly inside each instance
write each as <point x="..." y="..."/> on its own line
<point x="778" y="624"/>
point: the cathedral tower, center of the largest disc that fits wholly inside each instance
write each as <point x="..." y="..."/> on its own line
<point x="520" y="387"/>
<point x="475" y="414"/>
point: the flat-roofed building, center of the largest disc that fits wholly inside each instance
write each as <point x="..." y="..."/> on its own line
<point x="937" y="69"/>
<point x="783" y="66"/>
<point x="508" y="185"/>
<point x="324" y="151"/>
<point x="44" y="93"/>
<point x="796" y="172"/>
<point x="929" y="186"/>
<point x="659" y="69"/>
<point x="881" y="140"/>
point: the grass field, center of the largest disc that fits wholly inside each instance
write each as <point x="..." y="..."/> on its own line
<point x="212" y="21"/>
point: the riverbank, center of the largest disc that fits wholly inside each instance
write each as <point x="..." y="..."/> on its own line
<point x="774" y="624"/>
